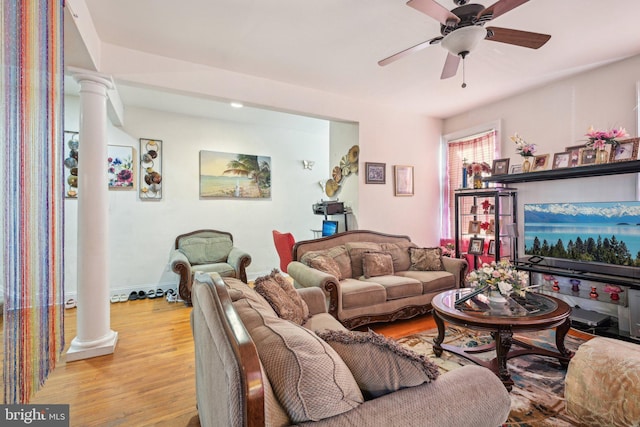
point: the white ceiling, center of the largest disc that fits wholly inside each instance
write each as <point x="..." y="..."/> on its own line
<point x="334" y="45"/>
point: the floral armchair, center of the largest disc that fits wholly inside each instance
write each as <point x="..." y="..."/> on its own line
<point x="207" y="251"/>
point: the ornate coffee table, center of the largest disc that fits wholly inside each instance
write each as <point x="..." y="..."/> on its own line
<point x="502" y="320"/>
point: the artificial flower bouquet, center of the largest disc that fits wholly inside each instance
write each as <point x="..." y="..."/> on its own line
<point x="500" y="276"/>
<point x="522" y="147"/>
<point x="599" y="138"/>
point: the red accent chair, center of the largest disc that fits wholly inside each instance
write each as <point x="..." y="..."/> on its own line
<point x="284" y="245"/>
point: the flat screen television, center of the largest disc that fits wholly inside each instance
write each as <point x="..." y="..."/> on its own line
<point x="593" y="236"/>
<point x="329" y="227"/>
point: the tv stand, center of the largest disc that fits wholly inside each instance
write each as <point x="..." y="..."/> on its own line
<point x="623" y="311"/>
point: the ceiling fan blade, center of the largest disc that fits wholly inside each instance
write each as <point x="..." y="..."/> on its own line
<point x="517" y="37"/>
<point x="450" y="66"/>
<point x="501" y="7"/>
<point x="435" y="10"/>
<point x="405" y="52"/>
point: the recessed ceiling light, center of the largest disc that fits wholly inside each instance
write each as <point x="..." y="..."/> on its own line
<point x="237" y="104"/>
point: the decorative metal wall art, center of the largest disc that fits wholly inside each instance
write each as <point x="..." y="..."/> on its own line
<point x="150" y="169"/>
<point x="71" y="165"/>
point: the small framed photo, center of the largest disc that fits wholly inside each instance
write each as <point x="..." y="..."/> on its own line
<point x="587" y="156"/>
<point x="513" y="169"/>
<point x="561" y="160"/>
<point x="492" y="247"/>
<point x="403" y="180"/>
<point x="474" y="209"/>
<point x="540" y="162"/>
<point x="476" y="246"/>
<point x="375" y="173"/>
<point x="574" y="155"/>
<point x="500" y="167"/>
<point x="625" y="151"/>
<point x="492" y="227"/>
<point x="474" y="227"/>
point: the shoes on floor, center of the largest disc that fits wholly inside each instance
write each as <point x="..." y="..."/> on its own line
<point x="151" y="294"/>
<point x="159" y="293"/>
<point x="70" y="303"/>
<point x="133" y="296"/>
<point x="142" y="295"/>
<point x="123" y="298"/>
<point x="115" y="298"/>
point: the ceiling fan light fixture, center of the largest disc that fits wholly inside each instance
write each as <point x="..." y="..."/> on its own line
<point x="463" y="39"/>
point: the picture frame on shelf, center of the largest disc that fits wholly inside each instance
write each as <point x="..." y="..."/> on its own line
<point x="625" y="151"/>
<point x="375" y="173"/>
<point x="574" y="154"/>
<point x="500" y="167"/>
<point x="540" y="162"/>
<point x="403" y="176"/>
<point x="474" y="209"/>
<point x="491" y="250"/>
<point x="474" y="227"/>
<point x="476" y="246"/>
<point x="587" y="156"/>
<point x="514" y="169"/>
<point x="561" y="160"/>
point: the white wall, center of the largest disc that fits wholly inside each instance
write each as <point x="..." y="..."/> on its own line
<point x="142" y="233"/>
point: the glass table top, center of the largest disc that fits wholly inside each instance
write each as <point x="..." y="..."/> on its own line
<point x="532" y="304"/>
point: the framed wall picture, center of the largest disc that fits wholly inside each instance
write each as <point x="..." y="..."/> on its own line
<point x="492" y="247"/>
<point x="587" y="156"/>
<point x="150" y="184"/>
<point x="403" y="176"/>
<point x="375" y="173"/>
<point x="120" y="167"/>
<point x="540" y="162"/>
<point x="234" y="176"/>
<point x="500" y="167"/>
<point x="561" y="160"/>
<point x="476" y="246"/>
<point x="625" y="151"/>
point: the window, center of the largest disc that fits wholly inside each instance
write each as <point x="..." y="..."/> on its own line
<point x="477" y="148"/>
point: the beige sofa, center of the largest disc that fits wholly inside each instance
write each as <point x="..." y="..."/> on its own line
<point x="355" y="299"/>
<point x="237" y="385"/>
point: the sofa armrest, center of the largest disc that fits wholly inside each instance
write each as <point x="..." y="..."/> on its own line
<point x="239" y="260"/>
<point x="181" y="265"/>
<point x="307" y="277"/>
<point x="458" y="267"/>
<point x="315" y="299"/>
<point x="486" y="403"/>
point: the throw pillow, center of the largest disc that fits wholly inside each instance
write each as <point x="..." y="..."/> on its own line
<point x="426" y="259"/>
<point x="326" y="264"/>
<point x="286" y="305"/>
<point x="340" y="256"/>
<point x="377" y="264"/>
<point x="400" y="253"/>
<point x="379" y="364"/>
<point x="306" y="374"/>
<point x="287" y="285"/>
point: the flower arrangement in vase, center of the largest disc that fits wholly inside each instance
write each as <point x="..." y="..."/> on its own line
<point x="599" y="139"/>
<point x="500" y="277"/>
<point x="525" y="149"/>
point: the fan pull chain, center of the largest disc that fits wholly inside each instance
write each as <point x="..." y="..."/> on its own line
<point x="464" y="84"/>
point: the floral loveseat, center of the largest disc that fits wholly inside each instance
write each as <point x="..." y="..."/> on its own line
<point x="372" y="277"/>
<point x="254" y="368"/>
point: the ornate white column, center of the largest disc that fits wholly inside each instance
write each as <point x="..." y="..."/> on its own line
<point x="94" y="335"/>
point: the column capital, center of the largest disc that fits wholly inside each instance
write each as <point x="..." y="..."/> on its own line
<point x="81" y="75"/>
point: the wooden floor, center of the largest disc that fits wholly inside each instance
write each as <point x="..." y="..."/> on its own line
<point x="150" y="379"/>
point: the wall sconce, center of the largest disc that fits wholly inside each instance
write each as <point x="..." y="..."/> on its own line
<point x="308" y="164"/>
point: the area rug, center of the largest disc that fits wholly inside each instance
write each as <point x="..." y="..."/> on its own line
<point x="537" y="395"/>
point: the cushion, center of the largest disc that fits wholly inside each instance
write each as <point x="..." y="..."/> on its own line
<point x="400" y="253"/>
<point x="326" y="264"/>
<point x="339" y="255"/>
<point x="206" y="250"/>
<point x="309" y="378"/>
<point x="379" y="364"/>
<point x="377" y="264"/>
<point x="356" y="251"/>
<point x="285" y="302"/>
<point x="426" y="259"/>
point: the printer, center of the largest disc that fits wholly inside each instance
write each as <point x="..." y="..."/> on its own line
<point x="329" y="207"/>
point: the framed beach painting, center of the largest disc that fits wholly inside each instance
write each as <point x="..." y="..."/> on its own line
<point x="234" y="176"/>
<point x="120" y="167"/>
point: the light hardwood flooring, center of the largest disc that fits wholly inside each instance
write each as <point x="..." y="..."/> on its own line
<point x="150" y="379"/>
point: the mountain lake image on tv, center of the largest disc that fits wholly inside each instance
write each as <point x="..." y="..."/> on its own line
<point x="594" y="232"/>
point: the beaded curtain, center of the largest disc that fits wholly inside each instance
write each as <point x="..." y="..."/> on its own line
<point x="32" y="193"/>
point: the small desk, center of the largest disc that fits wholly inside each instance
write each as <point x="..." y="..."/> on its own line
<point x="502" y="320"/>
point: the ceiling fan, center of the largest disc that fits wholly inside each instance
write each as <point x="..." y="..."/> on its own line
<point x="463" y="28"/>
